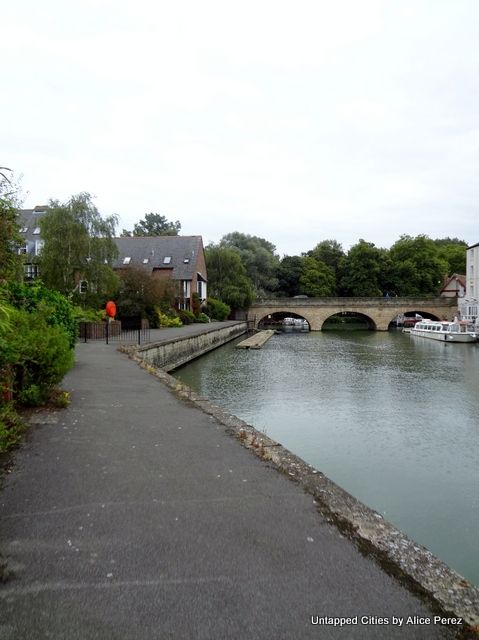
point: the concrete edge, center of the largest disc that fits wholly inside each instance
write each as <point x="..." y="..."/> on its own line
<point x="449" y="593"/>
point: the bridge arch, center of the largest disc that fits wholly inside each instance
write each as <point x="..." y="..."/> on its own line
<point x="270" y="320"/>
<point x="346" y="315"/>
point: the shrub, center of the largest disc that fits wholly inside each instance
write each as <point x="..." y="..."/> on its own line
<point x="55" y="307"/>
<point x="202" y="317"/>
<point x="165" y="320"/>
<point x="39" y="356"/>
<point x="12" y="428"/>
<point x="186" y="317"/>
<point x="216" y="309"/>
<point x="88" y="315"/>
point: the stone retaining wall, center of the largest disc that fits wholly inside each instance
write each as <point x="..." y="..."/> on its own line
<point x="173" y="353"/>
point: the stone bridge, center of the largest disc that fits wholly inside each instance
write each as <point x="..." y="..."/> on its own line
<point x="377" y="312"/>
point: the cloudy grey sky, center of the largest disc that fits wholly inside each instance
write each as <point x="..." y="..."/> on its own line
<point x="294" y="121"/>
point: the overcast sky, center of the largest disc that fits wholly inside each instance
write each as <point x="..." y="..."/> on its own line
<point x="293" y="121"/>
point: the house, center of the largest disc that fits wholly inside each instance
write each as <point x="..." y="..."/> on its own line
<point x="179" y="258"/>
<point x="454" y="286"/>
<point x="469" y="306"/>
<point x="29" y="220"/>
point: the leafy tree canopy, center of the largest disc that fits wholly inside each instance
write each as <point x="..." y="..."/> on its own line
<point x="258" y="257"/>
<point x="317" y="279"/>
<point x="328" y="251"/>
<point x="288" y="272"/>
<point x="154" y="224"/>
<point x="227" y="279"/>
<point x="361" y="270"/>
<point x="453" y="251"/>
<point x="139" y="294"/>
<point x="78" y="245"/>
<point x="10" y="238"/>
<point x="419" y="265"/>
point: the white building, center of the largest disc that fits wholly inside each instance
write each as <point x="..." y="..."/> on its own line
<point x="469" y="307"/>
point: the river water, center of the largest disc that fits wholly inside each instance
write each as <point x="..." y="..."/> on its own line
<point x="393" y="419"/>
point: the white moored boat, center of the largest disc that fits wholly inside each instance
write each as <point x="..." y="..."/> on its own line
<point x="457" y="331"/>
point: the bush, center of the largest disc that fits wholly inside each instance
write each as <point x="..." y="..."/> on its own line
<point x="12" y="428"/>
<point x="186" y="317"/>
<point x="202" y="317"/>
<point x="165" y="320"/>
<point x="216" y="309"/>
<point x="88" y="315"/>
<point x="38" y="354"/>
<point x="55" y="307"/>
<point x="35" y="354"/>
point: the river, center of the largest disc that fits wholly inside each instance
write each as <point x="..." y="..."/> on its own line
<point x="393" y="419"/>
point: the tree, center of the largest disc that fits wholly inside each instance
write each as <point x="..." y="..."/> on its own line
<point x="419" y="265"/>
<point x="227" y="279"/>
<point x="139" y="294"/>
<point x="154" y="224"/>
<point x="317" y="279"/>
<point x="328" y="251"/>
<point x="10" y="239"/>
<point x="288" y="273"/>
<point x="453" y="251"/>
<point x="78" y="245"/>
<point x="259" y="259"/>
<point x="361" y="270"/>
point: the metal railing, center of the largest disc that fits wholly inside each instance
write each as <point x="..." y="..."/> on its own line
<point x="112" y="333"/>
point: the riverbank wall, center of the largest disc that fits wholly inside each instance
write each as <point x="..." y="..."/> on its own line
<point x="171" y="354"/>
<point x="449" y="593"/>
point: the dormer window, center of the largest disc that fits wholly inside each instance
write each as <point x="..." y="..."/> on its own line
<point x="127" y="260"/>
<point x="23" y="229"/>
<point x="186" y="260"/>
<point x="36" y="231"/>
<point x="167" y="260"/>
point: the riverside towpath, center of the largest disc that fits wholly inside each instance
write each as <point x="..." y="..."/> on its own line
<point x="132" y="515"/>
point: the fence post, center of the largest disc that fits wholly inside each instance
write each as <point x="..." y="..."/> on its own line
<point x="106" y="331"/>
<point x="139" y="336"/>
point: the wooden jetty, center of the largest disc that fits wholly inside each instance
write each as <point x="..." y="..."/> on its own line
<point x="257" y="340"/>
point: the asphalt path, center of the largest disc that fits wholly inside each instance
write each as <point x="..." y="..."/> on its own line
<point x="132" y="515"/>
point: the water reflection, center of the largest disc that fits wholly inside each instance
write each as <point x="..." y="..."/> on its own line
<point x="391" y="418"/>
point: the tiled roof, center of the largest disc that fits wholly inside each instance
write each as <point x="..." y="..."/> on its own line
<point x="29" y="220"/>
<point x="183" y="251"/>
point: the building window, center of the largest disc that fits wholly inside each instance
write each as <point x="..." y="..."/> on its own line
<point x="83" y="286"/>
<point x="23" y="250"/>
<point x="23" y="229"/>
<point x="30" y="271"/>
<point x="36" y="231"/>
<point x="146" y="260"/>
<point x="167" y="260"/>
<point x="127" y="260"/>
<point x="186" y="260"/>
<point x="38" y="246"/>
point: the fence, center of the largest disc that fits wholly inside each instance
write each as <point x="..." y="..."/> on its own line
<point x="113" y="332"/>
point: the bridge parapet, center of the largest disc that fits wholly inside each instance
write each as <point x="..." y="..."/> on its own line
<point x="379" y="311"/>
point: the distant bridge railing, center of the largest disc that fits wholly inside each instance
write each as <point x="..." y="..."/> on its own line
<point x="437" y="301"/>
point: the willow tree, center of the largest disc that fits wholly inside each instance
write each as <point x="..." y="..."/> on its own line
<point x="78" y="247"/>
<point x="10" y="239"/>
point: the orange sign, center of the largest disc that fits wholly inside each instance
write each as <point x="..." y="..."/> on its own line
<point x="110" y="309"/>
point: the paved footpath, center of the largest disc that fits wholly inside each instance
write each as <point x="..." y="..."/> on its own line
<point x="132" y="515"/>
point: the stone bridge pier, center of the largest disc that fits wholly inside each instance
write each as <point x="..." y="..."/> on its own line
<point x="378" y="312"/>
